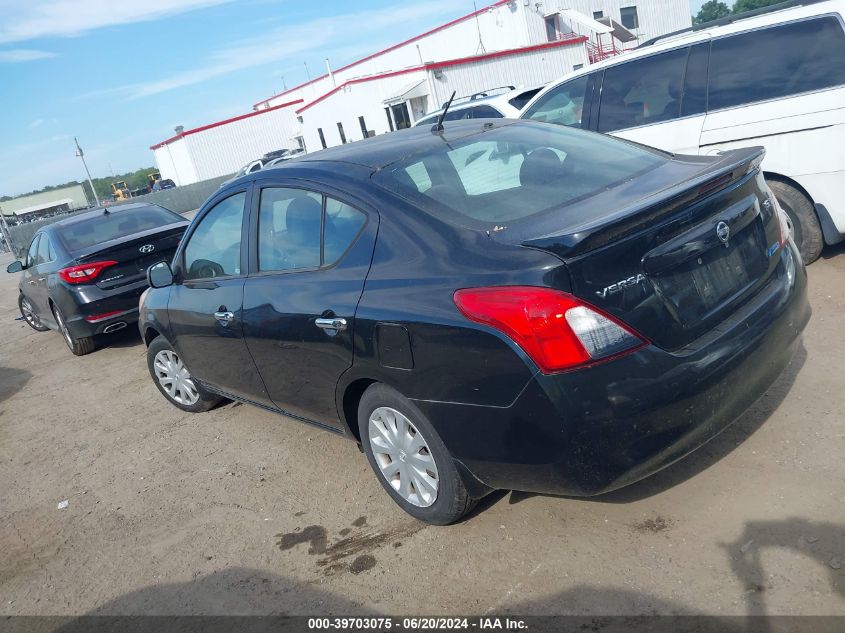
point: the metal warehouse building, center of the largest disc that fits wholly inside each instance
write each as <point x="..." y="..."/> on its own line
<point x="523" y="43"/>
<point x="45" y="203"/>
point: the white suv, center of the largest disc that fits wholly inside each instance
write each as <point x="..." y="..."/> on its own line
<point x="485" y="105"/>
<point x="773" y="77"/>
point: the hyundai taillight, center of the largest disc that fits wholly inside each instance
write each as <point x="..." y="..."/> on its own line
<point x="557" y="330"/>
<point x="84" y="273"/>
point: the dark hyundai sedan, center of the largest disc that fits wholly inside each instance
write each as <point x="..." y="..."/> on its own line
<point x="500" y="304"/>
<point x="83" y="275"/>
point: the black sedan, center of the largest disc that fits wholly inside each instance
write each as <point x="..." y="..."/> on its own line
<point x="83" y="275"/>
<point x="500" y="304"/>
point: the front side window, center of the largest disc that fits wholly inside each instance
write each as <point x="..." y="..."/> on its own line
<point x="563" y="105"/>
<point x="44" y="251"/>
<point x="32" y="253"/>
<point x="642" y="91"/>
<point x="629" y="17"/>
<point x="300" y="229"/>
<point x="214" y="248"/>
<point x="776" y="62"/>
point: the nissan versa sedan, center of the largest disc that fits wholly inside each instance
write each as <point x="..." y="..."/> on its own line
<point x="83" y="275"/>
<point x="495" y="304"/>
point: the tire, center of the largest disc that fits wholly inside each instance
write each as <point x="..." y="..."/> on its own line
<point x="79" y="346"/>
<point x="390" y="413"/>
<point x="28" y="314"/>
<point x="806" y="230"/>
<point x="165" y="364"/>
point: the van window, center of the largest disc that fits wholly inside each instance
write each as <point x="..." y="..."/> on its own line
<point x="642" y="91"/>
<point x="776" y="62"/>
<point x="694" y="99"/>
<point x="563" y="105"/>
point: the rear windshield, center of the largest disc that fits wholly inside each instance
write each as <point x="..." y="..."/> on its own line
<point x="115" y="225"/>
<point x="513" y="172"/>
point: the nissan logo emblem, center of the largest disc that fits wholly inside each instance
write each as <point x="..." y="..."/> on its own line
<point x="149" y="248"/>
<point x="723" y="232"/>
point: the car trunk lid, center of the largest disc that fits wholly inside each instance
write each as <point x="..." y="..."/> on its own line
<point x="672" y="253"/>
<point x="133" y="254"/>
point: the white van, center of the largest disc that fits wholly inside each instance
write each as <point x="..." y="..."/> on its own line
<point x="773" y="77"/>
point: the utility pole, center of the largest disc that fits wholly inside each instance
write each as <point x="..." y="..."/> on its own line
<point x="90" y="182"/>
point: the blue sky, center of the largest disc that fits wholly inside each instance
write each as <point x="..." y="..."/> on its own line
<point x="121" y="75"/>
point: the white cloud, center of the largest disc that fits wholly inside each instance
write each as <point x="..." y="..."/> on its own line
<point x="32" y="19"/>
<point x="16" y="55"/>
<point x="37" y="123"/>
<point x="328" y="35"/>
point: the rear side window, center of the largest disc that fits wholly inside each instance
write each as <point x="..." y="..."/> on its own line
<point x="214" y="248"/>
<point x="115" y="225"/>
<point x="485" y="112"/>
<point x="776" y="62"/>
<point x="522" y="98"/>
<point x="297" y="230"/>
<point x="642" y="91"/>
<point x="289" y="226"/>
<point x="563" y="105"/>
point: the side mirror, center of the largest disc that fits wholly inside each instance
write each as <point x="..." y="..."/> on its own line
<point x="159" y="275"/>
<point x="15" y="267"/>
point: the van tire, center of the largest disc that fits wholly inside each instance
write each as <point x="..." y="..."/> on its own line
<point x="806" y="230"/>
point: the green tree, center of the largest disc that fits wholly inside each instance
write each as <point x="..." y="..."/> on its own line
<point x="711" y="10"/>
<point x="741" y="6"/>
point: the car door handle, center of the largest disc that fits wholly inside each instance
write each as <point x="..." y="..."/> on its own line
<point x="224" y="317"/>
<point x="337" y="324"/>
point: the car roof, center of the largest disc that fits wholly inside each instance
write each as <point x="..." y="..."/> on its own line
<point x="501" y="98"/>
<point x="379" y="151"/>
<point x="703" y="33"/>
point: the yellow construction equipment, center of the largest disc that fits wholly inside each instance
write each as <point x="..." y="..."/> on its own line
<point x="120" y="191"/>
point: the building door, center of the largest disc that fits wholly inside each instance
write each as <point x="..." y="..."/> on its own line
<point x="401" y="116"/>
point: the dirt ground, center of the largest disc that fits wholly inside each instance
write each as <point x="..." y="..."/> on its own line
<point x="239" y="511"/>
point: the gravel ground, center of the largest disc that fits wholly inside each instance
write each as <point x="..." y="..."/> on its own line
<point x="239" y="511"/>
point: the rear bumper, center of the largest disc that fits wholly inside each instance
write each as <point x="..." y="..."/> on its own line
<point x="601" y="428"/>
<point x="89" y="302"/>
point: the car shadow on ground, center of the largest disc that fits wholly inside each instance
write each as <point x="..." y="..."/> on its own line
<point x="12" y="380"/>
<point x="830" y="252"/>
<point x="127" y="337"/>
<point x="702" y="458"/>
<point x="240" y="591"/>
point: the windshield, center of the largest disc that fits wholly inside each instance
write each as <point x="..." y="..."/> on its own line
<point x="115" y="225"/>
<point x="513" y="172"/>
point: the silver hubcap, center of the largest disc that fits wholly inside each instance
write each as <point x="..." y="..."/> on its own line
<point x="403" y="457"/>
<point x="61" y="321"/>
<point x="28" y="313"/>
<point x="174" y="378"/>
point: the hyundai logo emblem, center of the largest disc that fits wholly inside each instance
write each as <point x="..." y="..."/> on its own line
<point x="149" y="248"/>
<point x="723" y="232"/>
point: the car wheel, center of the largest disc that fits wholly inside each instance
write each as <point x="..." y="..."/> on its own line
<point x="806" y="230"/>
<point x="173" y="379"/>
<point x="79" y="346"/>
<point x="28" y="314"/>
<point x="409" y="458"/>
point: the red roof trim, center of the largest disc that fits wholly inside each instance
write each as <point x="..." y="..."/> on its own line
<point x="388" y="50"/>
<point x="445" y="64"/>
<point x="224" y="122"/>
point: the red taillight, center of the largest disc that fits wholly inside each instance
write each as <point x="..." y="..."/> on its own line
<point x="84" y="273"/>
<point x="96" y="318"/>
<point x="557" y="330"/>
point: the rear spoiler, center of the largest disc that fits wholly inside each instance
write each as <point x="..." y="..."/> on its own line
<point x="732" y="166"/>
